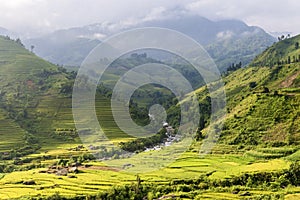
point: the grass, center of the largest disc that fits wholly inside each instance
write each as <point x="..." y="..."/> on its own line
<point x="292" y="196"/>
<point x="294" y="157"/>
<point x="270" y="153"/>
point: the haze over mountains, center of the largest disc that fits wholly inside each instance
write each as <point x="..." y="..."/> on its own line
<point x="227" y="41"/>
<point x="3" y="31"/>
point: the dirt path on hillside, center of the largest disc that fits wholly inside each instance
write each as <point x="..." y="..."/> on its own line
<point x="289" y="81"/>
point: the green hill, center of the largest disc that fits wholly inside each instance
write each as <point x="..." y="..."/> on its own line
<point x="263" y="104"/>
<point x="252" y="159"/>
<point x="284" y="52"/>
<point x="269" y="96"/>
<point x="30" y="96"/>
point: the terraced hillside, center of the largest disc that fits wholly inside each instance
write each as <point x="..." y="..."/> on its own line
<point x="35" y="95"/>
<point x="263" y="104"/>
<point x="30" y="96"/>
<point x="263" y="110"/>
<point x="11" y="135"/>
<point x="256" y="156"/>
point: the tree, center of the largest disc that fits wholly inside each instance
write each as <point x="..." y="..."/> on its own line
<point x="67" y="87"/>
<point x="198" y="135"/>
<point x="294" y="173"/>
<point x="18" y="41"/>
<point x="252" y="84"/>
<point x="234" y="67"/>
<point x="201" y="123"/>
<point x="296" y="45"/>
<point x="7" y="37"/>
<point x="239" y="65"/>
<point x="266" y="90"/>
<point x="31" y="48"/>
<point x="138" y="184"/>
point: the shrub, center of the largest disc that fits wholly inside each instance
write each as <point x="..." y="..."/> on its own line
<point x="252" y="84"/>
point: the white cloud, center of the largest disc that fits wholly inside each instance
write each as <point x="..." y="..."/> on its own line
<point x="42" y="16"/>
<point x="99" y="36"/>
<point x="155" y="13"/>
<point x="272" y="15"/>
<point x="18" y="3"/>
<point x="225" y="35"/>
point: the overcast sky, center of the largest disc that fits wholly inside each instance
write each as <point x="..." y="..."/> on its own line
<point x="42" y="16"/>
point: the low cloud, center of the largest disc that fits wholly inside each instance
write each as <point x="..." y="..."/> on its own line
<point x="224" y="35"/>
<point x="42" y="16"/>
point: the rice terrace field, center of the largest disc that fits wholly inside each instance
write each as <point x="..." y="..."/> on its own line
<point x="48" y="151"/>
<point x="98" y="177"/>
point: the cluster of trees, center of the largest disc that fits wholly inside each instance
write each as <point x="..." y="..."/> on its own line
<point x="138" y="56"/>
<point x="75" y="159"/>
<point x="8" y="168"/>
<point x="19" y="152"/>
<point x="46" y="73"/>
<point x="138" y="114"/>
<point x="113" y="153"/>
<point x="281" y="61"/>
<point x="191" y="74"/>
<point x="31" y="146"/>
<point x="283" y="37"/>
<point x="234" y="67"/>
<point x="288" y="60"/>
<point x="141" y="144"/>
<point x="104" y="91"/>
<point x="66" y="132"/>
<point x="18" y="40"/>
<point x="133" y="60"/>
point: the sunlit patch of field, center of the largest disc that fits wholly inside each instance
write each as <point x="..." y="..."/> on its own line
<point x="102" y="175"/>
<point x="85" y="182"/>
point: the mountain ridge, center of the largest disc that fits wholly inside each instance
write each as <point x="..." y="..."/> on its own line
<point x="228" y="34"/>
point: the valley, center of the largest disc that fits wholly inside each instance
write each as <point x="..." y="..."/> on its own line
<point x="256" y="157"/>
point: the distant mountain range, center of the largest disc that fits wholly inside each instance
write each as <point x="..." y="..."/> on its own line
<point x="227" y="41"/>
